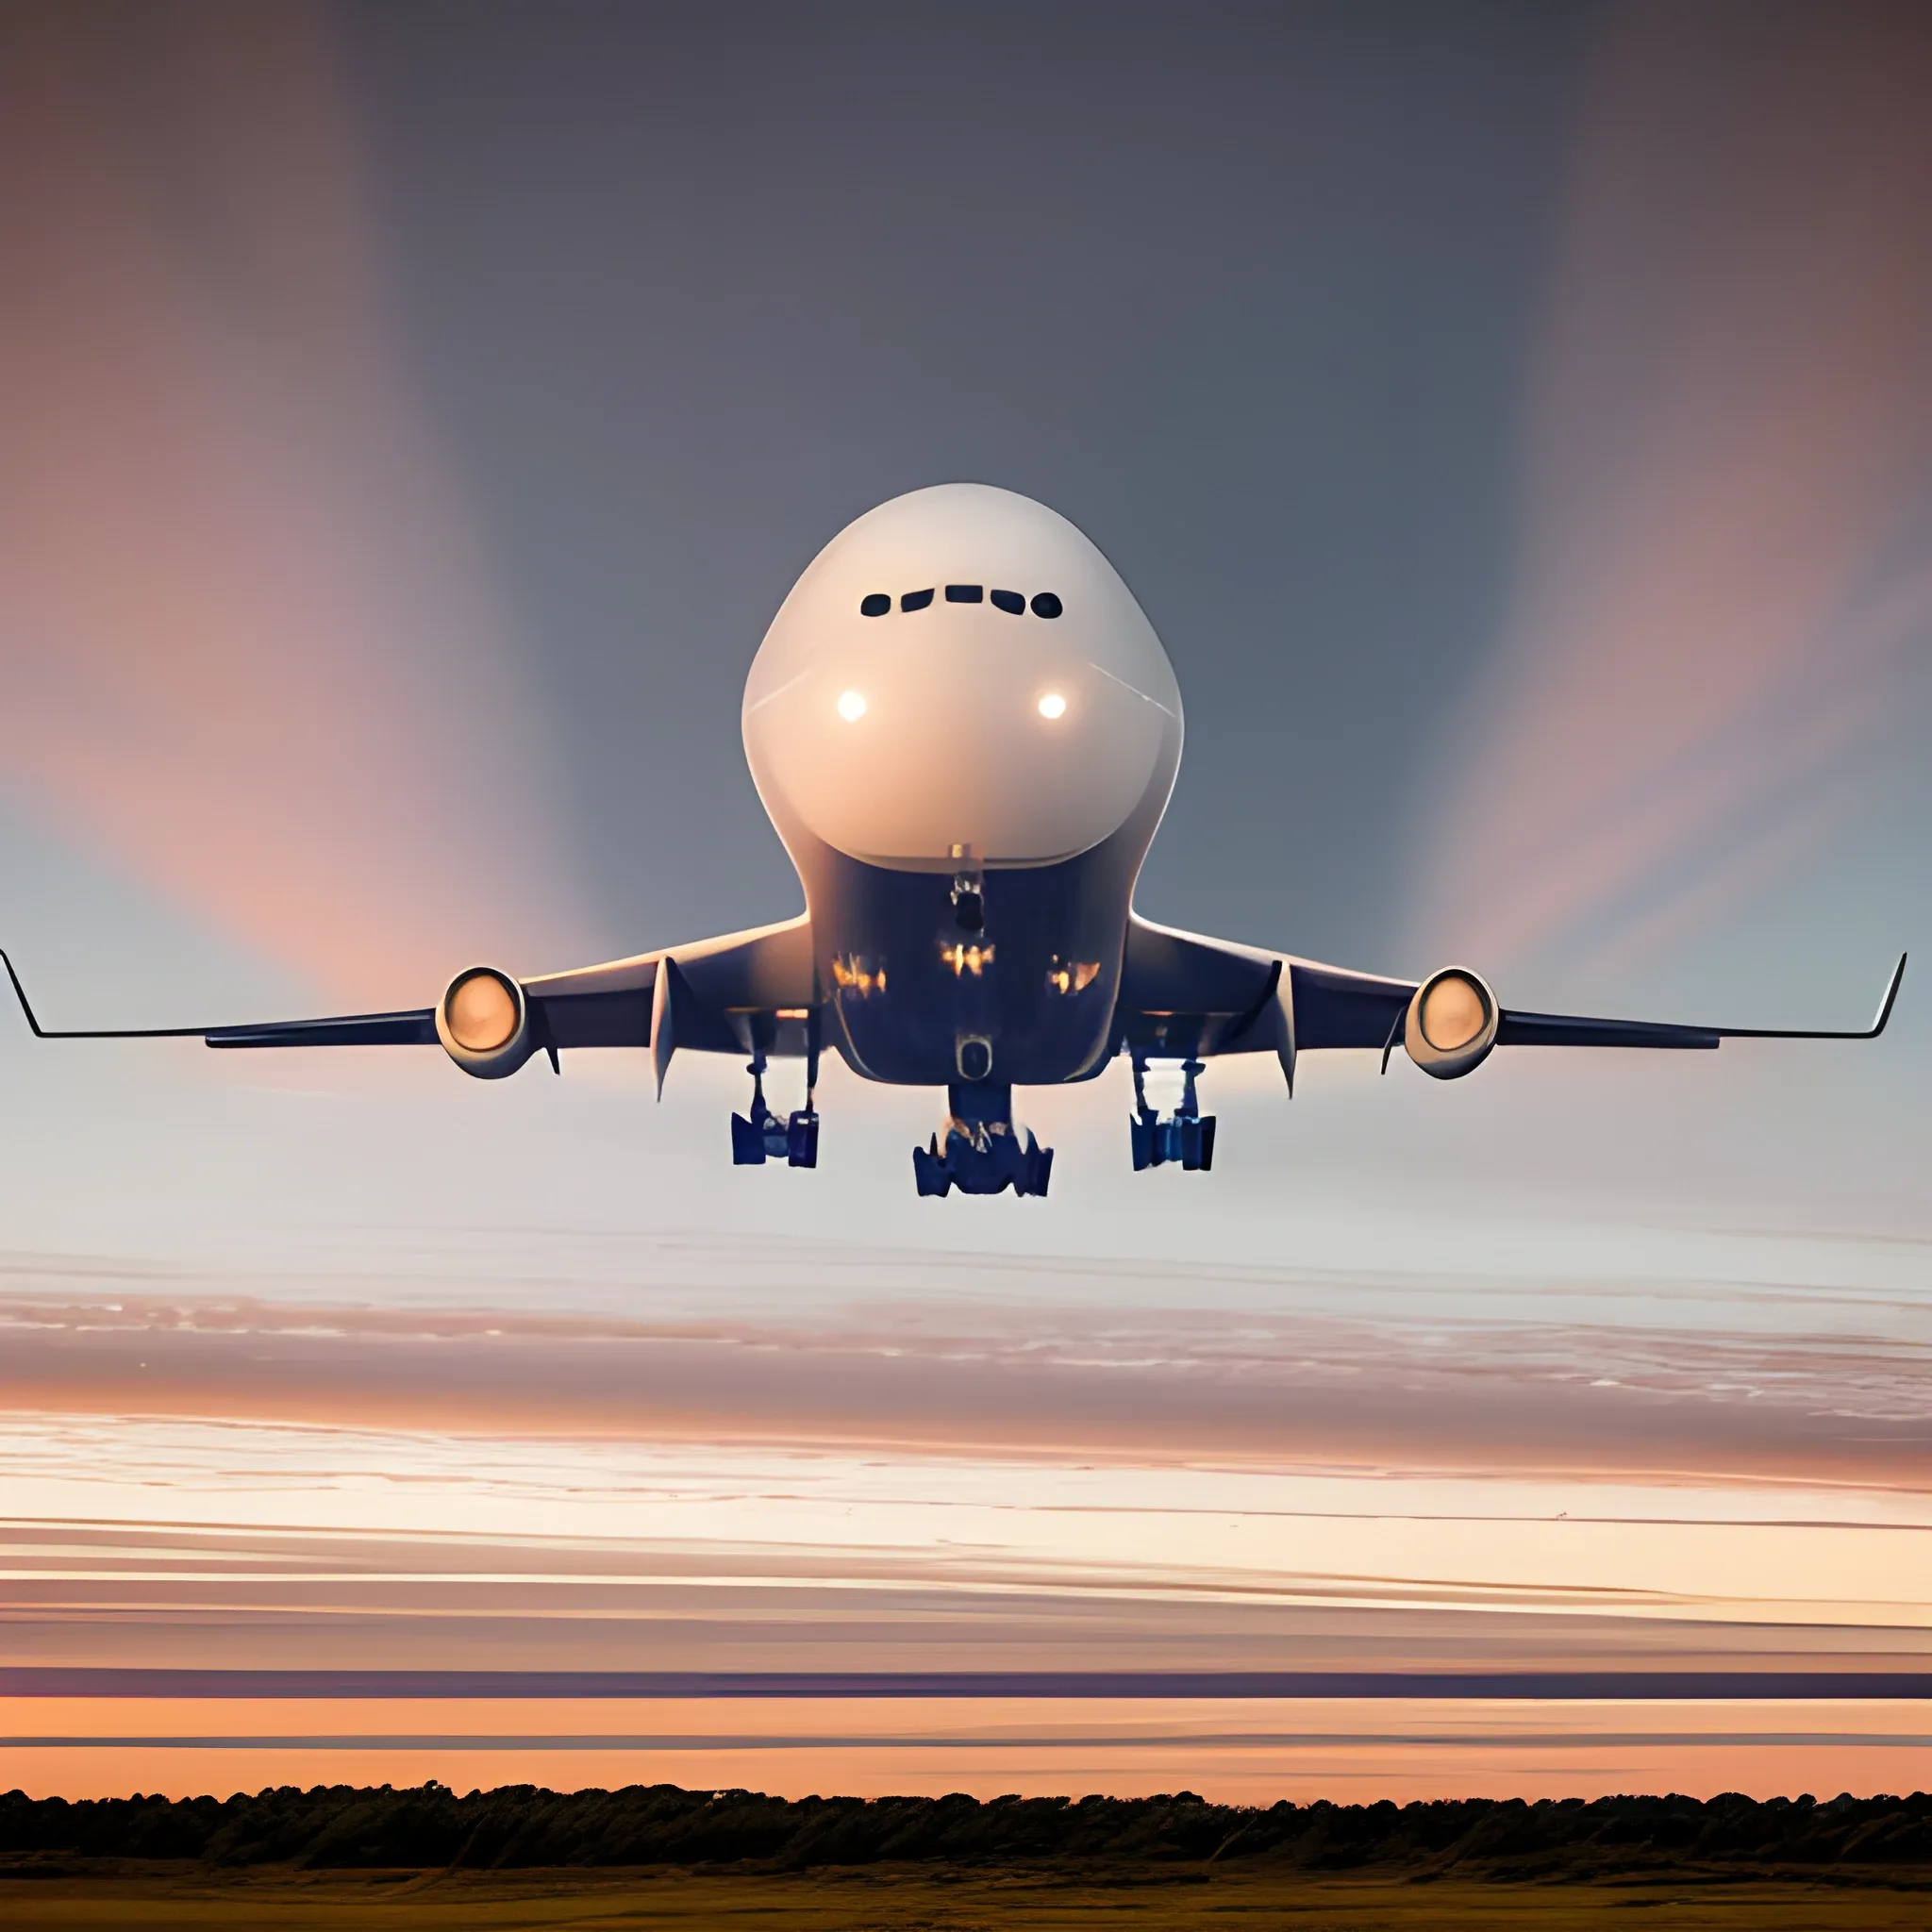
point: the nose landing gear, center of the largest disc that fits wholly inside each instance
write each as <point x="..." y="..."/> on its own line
<point x="765" y="1137"/>
<point x="1186" y="1138"/>
<point x="980" y="1151"/>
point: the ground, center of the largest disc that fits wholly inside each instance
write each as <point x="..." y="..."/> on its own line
<point x="106" y="1897"/>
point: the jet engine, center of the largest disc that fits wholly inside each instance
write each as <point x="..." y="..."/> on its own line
<point x="1451" y="1025"/>
<point x="484" y="1023"/>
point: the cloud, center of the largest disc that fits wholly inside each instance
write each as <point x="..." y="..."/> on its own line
<point x="1724" y="467"/>
<point x="1150" y="1385"/>
<point x="252" y="647"/>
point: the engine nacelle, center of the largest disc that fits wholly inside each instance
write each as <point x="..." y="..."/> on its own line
<point x="1452" y="1024"/>
<point x="484" y="1023"/>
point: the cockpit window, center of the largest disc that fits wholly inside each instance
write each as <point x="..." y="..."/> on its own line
<point x="876" y="605"/>
<point x="1012" y="602"/>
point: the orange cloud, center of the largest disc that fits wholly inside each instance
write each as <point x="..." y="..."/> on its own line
<point x="1577" y="1401"/>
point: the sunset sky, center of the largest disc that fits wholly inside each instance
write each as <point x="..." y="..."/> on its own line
<point x="1517" y="421"/>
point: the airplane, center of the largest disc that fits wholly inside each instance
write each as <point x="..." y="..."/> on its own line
<point x="965" y="732"/>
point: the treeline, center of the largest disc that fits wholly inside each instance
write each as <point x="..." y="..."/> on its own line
<point x="522" y="1825"/>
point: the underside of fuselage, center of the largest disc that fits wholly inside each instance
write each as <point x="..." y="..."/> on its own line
<point x="973" y="977"/>
<point x="978" y="978"/>
<point x="973" y="974"/>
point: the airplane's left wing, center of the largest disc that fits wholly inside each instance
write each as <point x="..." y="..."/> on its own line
<point x="744" y="992"/>
<point x="1183" y="996"/>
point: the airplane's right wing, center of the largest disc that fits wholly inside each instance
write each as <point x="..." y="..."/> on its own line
<point x="735" y="985"/>
<point x="750" y="992"/>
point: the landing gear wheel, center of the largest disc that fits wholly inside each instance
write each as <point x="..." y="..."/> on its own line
<point x="761" y="1136"/>
<point x="1197" y="1144"/>
<point x="747" y="1142"/>
<point x="929" y="1170"/>
<point x="1035" y="1170"/>
<point x="1185" y="1139"/>
<point x="980" y="1150"/>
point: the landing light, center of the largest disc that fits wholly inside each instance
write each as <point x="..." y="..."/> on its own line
<point x="851" y="706"/>
<point x="1053" y="706"/>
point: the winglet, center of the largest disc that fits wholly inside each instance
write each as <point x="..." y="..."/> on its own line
<point x="40" y="1032"/>
<point x="1871" y="1032"/>
<point x="1885" y="1005"/>
<point x="20" y="994"/>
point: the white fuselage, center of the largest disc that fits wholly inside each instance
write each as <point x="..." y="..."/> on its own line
<point x="940" y="723"/>
<point x="965" y="731"/>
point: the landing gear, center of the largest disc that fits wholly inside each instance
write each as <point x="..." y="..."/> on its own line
<point x="1186" y="1136"/>
<point x="765" y="1137"/>
<point x="979" y="1150"/>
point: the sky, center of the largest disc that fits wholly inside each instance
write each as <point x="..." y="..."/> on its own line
<point x="1517" y="421"/>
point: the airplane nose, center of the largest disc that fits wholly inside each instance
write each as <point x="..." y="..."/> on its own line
<point x="960" y="725"/>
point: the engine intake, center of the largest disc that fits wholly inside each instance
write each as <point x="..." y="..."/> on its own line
<point x="1452" y="1024"/>
<point x="484" y="1023"/>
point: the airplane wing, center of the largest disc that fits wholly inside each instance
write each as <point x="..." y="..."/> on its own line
<point x="1567" y="1029"/>
<point x="746" y="991"/>
<point x="742" y="993"/>
<point x="1185" y="997"/>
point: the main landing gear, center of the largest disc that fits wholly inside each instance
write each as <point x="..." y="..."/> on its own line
<point x="765" y="1137"/>
<point x="979" y="1150"/>
<point x="1187" y="1136"/>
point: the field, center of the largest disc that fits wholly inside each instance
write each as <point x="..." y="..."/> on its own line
<point x="107" y="1896"/>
